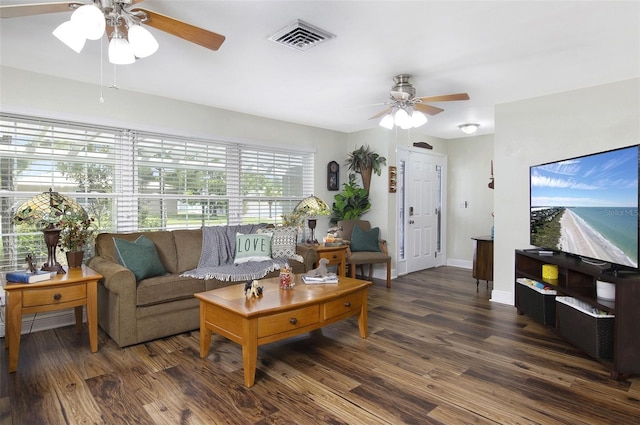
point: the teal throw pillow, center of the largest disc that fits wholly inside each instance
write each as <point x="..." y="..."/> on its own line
<point x="365" y="241"/>
<point x="252" y="247"/>
<point x="140" y="256"/>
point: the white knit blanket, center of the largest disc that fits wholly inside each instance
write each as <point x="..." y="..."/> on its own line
<point x="218" y="251"/>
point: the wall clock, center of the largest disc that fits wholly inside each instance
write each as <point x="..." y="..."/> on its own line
<point x="333" y="175"/>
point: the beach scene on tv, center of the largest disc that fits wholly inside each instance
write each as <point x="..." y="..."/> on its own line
<point x="588" y="206"/>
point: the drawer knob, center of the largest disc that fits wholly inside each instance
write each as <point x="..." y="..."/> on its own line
<point x="335" y="257"/>
<point x="293" y="320"/>
<point x="347" y="304"/>
<point x="57" y="296"/>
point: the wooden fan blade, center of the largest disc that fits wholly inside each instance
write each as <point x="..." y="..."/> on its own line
<point x="188" y="32"/>
<point x="427" y="109"/>
<point x="381" y="113"/>
<point x="445" y="97"/>
<point x="17" y="10"/>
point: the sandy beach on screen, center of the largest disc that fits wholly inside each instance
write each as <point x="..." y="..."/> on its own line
<point x="578" y="236"/>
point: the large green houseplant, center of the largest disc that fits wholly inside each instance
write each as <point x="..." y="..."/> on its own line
<point x="364" y="161"/>
<point x="351" y="203"/>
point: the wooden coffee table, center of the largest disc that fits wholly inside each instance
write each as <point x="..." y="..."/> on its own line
<point x="278" y="314"/>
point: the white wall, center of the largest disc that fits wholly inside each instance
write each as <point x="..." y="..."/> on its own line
<point x="544" y="129"/>
<point x="470" y="200"/>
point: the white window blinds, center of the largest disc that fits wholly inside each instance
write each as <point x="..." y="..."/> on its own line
<point x="133" y="180"/>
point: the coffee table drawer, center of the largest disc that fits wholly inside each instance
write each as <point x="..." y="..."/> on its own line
<point x="346" y="304"/>
<point x="287" y="321"/>
<point x="32" y="298"/>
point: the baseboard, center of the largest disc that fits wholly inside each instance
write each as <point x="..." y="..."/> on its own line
<point x="42" y="321"/>
<point x="502" y="297"/>
<point x="463" y="264"/>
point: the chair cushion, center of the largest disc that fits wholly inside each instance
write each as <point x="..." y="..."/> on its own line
<point x="368" y="257"/>
<point x="139" y="256"/>
<point x="365" y="240"/>
<point x="252" y="247"/>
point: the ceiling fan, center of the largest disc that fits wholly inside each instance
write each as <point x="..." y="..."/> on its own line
<point x="405" y="110"/>
<point x="122" y="22"/>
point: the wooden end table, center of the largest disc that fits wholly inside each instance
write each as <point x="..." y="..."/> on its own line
<point x="76" y="288"/>
<point x="277" y="314"/>
<point x="337" y="256"/>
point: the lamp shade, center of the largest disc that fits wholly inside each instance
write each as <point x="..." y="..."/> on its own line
<point x="90" y="21"/>
<point x="70" y="34"/>
<point x="120" y="52"/>
<point x="312" y="206"/>
<point x="47" y="208"/>
<point x="418" y="119"/>
<point x="142" y="42"/>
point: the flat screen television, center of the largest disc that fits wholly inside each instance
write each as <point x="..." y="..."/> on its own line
<point x="588" y="206"/>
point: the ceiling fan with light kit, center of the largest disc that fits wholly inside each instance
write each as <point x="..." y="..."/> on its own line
<point x="121" y="22"/>
<point x="407" y="111"/>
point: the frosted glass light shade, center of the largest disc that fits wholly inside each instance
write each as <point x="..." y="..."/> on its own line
<point x="387" y="122"/>
<point x="142" y="42"/>
<point x="120" y="52"/>
<point x="418" y="119"/>
<point x="469" y="128"/>
<point x="401" y="117"/>
<point x="90" y="20"/>
<point x="70" y="34"/>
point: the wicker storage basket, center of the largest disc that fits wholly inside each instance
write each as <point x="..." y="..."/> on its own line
<point x="591" y="332"/>
<point x="537" y="303"/>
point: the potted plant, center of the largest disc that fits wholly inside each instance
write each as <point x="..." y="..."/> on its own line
<point x="78" y="233"/>
<point x="364" y="161"/>
<point x="351" y="203"/>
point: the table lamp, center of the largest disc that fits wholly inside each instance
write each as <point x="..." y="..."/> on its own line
<point x="46" y="210"/>
<point x="311" y="206"/>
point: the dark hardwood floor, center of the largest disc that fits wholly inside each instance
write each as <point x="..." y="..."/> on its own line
<point x="438" y="352"/>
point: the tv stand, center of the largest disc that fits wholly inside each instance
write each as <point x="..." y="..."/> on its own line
<point x="577" y="279"/>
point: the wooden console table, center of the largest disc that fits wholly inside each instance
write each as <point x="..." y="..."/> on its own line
<point x="483" y="259"/>
<point x="76" y="288"/>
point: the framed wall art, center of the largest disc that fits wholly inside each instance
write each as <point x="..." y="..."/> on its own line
<point x="333" y="175"/>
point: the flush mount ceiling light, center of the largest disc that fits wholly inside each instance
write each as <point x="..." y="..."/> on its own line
<point x="469" y="128"/>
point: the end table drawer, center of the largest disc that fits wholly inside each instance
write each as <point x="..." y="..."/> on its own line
<point x="287" y="321"/>
<point x="36" y="297"/>
<point x="342" y="305"/>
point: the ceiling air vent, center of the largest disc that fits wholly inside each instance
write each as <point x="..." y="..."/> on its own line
<point x="301" y="35"/>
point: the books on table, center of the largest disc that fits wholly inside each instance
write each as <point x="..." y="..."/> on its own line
<point x="20" y="276"/>
<point x="328" y="278"/>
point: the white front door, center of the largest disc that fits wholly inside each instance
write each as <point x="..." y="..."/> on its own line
<point x="423" y="210"/>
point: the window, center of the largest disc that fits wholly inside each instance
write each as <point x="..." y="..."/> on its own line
<point x="132" y="180"/>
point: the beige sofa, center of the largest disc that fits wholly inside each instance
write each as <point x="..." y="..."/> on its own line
<point x="133" y="312"/>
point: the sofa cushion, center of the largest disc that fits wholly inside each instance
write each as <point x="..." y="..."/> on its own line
<point x="283" y="242"/>
<point x="162" y="239"/>
<point x="252" y="247"/>
<point x="162" y="289"/>
<point x="189" y="247"/>
<point x="139" y="256"/>
<point x="365" y="240"/>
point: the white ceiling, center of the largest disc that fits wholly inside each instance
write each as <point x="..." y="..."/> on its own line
<point x="497" y="51"/>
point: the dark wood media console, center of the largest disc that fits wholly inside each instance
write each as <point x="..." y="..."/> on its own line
<point x="577" y="279"/>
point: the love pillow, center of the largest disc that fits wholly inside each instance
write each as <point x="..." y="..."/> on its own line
<point x="252" y="247"/>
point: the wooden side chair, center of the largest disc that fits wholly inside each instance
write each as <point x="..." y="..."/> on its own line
<point x="364" y="247"/>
